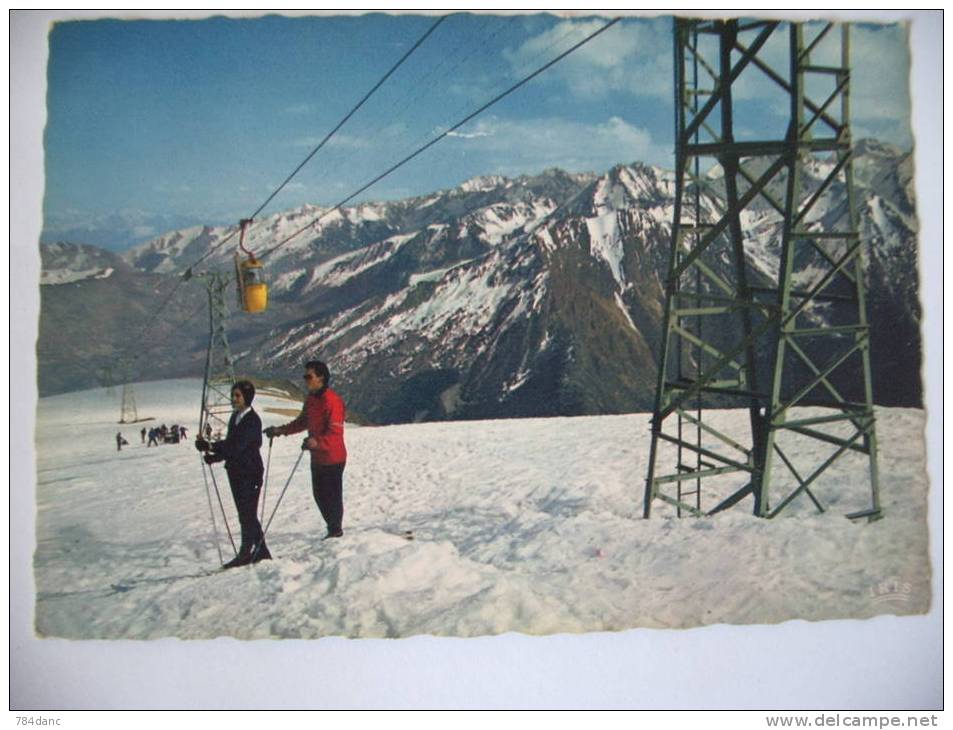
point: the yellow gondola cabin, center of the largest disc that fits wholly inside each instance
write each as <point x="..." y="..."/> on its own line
<point x="252" y="289"/>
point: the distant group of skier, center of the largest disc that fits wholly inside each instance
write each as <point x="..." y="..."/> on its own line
<point x="163" y="434"/>
<point x="322" y="417"/>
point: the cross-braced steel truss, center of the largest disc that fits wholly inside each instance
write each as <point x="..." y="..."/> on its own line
<point x="219" y="364"/>
<point x="765" y="302"/>
<point x="128" y="412"/>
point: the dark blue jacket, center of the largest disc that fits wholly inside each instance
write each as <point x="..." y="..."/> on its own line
<point x="241" y="448"/>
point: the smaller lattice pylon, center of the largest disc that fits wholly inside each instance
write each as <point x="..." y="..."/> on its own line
<point x="128" y="413"/>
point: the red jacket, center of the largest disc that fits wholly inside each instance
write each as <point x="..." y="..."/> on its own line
<point x="323" y="416"/>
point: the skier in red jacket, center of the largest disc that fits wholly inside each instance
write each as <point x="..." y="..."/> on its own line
<point x="323" y="417"/>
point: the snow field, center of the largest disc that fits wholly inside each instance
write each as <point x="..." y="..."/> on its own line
<point x="531" y="526"/>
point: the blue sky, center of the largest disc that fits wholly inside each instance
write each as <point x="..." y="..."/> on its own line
<point x="202" y="119"/>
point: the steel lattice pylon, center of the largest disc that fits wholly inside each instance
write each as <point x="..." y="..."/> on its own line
<point x="128" y="412"/>
<point x="787" y="340"/>
<point x="219" y="364"/>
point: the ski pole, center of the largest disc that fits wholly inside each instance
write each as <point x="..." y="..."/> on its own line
<point x="264" y="489"/>
<point x="222" y="507"/>
<point x="277" y="504"/>
<point x="211" y="512"/>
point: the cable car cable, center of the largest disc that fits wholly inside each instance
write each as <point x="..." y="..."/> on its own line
<point x="434" y="141"/>
<point x="328" y="136"/>
<point x="187" y="274"/>
<point x="569" y="30"/>
<point x="350" y="114"/>
<point x="428" y="84"/>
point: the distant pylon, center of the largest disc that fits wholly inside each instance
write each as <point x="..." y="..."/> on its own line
<point x="771" y="341"/>
<point x="128" y="414"/>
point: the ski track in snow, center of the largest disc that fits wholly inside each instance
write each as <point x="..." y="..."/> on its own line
<point x="529" y="525"/>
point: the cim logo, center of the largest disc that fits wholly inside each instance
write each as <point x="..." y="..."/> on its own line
<point x="892" y="590"/>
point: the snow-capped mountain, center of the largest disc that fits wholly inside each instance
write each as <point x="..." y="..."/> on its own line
<point x="505" y="297"/>
<point x="310" y="235"/>
<point x="63" y="263"/>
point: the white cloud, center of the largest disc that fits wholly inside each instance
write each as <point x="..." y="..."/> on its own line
<point x="880" y="67"/>
<point x="514" y="147"/>
<point x="366" y="141"/>
<point x="632" y="57"/>
<point x="880" y="77"/>
<point x="879" y="81"/>
<point x="464" y="135"/>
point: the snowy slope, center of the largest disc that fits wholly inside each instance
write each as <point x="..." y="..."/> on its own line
<point x="530" y="525"/>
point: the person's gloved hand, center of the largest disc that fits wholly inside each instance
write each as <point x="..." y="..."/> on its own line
<point x="201" y="444"/>
<point x="210" y="458"/>
<point x="271" y="432"/>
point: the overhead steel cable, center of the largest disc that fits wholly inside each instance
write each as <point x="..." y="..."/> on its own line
<point x="126" y="363"/>
<point x="187" y="274"/>
<point x="389" y="124"/>
<point x="428" y="84"/>
<point x="441" y="136"/>
<point x="158" y="310"/>
<point x="351" y="113"/>
<point x="327" y="137"/>
<point x="570" y="29"/>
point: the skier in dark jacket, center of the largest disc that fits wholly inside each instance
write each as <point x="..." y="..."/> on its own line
<point x="323" y="417"/>
<point x="241" y="452"/>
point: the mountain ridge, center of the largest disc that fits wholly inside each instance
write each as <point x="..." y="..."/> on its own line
<point x="536" y="295"/>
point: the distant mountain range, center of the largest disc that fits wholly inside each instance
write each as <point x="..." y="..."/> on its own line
<point x="532" y="296"/>
<point x="115" y="231"/>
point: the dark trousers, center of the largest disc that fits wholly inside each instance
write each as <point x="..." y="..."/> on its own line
<point x="327" y="484"/>
<point x="245" y="492"/>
